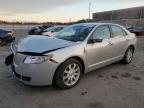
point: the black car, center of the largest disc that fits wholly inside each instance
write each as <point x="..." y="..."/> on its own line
<point x="6" y="36"/>
<point x="38" y="30"/>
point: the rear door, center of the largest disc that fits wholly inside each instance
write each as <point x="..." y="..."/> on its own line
<point x="119" y="41"/>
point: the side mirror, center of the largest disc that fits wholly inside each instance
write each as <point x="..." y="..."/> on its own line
<point x="92" y="41"/>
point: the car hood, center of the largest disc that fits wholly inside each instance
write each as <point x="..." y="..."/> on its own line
<point x="41" y="44"/>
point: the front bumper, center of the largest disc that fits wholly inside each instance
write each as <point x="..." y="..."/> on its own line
<point x="34" y="74"/>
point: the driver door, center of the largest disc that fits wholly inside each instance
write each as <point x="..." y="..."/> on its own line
<point x="99" y="53"/>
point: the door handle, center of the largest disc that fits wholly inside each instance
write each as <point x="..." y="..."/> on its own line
<point x="110" y="43"/>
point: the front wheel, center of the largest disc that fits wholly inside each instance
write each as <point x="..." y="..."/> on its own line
<point x="128" y="56"/>
<point x="68" y="74"/>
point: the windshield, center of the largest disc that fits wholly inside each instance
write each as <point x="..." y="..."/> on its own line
<point x="76" y="33"/>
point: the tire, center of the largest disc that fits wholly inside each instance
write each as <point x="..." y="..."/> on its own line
<point x="68" y="74"/>
<point x="128" y="56"/>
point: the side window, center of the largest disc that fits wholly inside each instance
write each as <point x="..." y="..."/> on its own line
<point x="117" y="31"/>
<point x="125" y="33"/>
<point x="102" y="32"/>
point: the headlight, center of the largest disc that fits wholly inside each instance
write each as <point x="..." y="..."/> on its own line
<point x="37" y="59"/>
<point x="14" y="46"/>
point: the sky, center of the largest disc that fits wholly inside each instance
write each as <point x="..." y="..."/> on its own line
<point x="58" y="10"/>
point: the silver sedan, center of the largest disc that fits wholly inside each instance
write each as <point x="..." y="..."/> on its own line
<point x="76" y="50"/>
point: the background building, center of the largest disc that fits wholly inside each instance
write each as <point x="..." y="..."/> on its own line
<point x="125" y="17"/>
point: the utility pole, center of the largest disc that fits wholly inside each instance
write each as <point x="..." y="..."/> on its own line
<point x="112" y="15"/>
<point x="89" y="11"/>
<point x="70" y="20"/>
<point x="140" y="16"/>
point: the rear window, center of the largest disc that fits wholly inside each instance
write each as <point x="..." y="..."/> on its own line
<point x="118" y="31"/>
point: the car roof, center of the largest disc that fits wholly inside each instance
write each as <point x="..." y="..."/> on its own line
<point x="95" y="23"/>
<point x="98" y="24"/>
<point x="60" y="26"/>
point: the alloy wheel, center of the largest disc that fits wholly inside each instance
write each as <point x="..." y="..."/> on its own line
<point x="71" y="74"/>
<point x="129" y="55"/>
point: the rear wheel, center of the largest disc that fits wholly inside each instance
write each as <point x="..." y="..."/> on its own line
<point x="128" y="55"/>
<point x="68" y="74"/>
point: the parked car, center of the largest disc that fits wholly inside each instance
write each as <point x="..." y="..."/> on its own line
<point x="47" y="26"/>
<point x="52" y="30"/>
<point x="38" y="30"/>
<point x="139" y="31"/>
<point x="6" y="36"/>
<point x="76" y="50"/>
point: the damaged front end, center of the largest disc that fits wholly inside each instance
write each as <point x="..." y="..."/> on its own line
<point x="32" y="61"/>
<point x="9" y="60"/>
<point x="29" y="57"/>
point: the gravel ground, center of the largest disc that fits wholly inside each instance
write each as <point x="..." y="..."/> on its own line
<point x="114" y="86"/>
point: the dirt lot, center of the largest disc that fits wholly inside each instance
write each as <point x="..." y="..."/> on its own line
<point x="114" y="86"/>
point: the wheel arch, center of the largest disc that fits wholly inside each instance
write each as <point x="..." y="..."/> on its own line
<point x="80" y="60"/>
<point x="73" y="57"/>
<point x="132" y="46"/>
